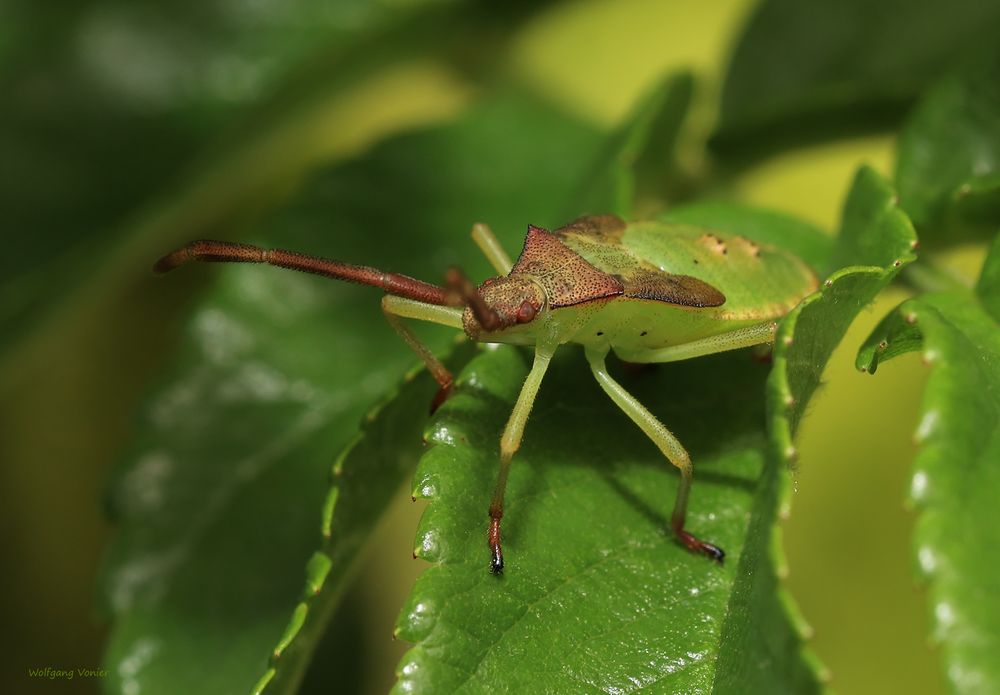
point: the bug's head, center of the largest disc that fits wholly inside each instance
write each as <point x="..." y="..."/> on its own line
<point x="501" y="306"/>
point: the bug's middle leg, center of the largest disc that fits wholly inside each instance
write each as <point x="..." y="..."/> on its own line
<point x="510" y="442"/>
<point x="666" y="442"/>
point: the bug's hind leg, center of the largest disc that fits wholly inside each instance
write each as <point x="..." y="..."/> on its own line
<point x="759" y="334"/>
<point x="666" y="442"/>
<point x="510" y="442"/>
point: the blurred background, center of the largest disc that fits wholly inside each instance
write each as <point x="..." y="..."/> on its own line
<point x="124" y="125"/>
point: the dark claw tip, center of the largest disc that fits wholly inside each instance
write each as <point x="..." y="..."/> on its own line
<point x="496" y="562"/>
<point x="693" y="544"/>
<point x="714" y="552"/>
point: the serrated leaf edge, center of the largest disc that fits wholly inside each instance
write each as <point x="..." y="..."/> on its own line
<point x="320" y="563"/>
<point x="781" y="402"/>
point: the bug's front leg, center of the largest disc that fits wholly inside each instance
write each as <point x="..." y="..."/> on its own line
<point x="509" y="444"/>
<point x="396" y="307"/>
<point x="666" y="442"/>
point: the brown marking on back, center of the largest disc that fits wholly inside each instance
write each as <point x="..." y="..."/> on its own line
<point x="683" y="290"/>
<point x="713" y="243"/>
<point x="607" y="228"/>
<point x="565" y="275"/>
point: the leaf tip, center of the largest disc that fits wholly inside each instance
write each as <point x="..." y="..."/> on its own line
<point x="416" y="621"/>
<point x="295" y="624"/>
<point x="317" y="570"/>
<point x="329" y="506"/>
<point x="428" y="545"/>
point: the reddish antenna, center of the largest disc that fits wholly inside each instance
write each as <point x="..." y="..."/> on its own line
<point x="460" y="291"/>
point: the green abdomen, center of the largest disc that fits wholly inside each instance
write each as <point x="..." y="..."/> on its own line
<point x="759" y="282"/>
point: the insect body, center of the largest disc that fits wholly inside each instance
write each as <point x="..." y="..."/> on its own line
<point x="649" y="291"/>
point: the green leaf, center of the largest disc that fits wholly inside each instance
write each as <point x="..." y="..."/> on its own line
<point x="641" y="151"/>
<point x="220" y="499"/>
<point x="364" y="477"/>
<point x="876" y="240"/>
<point x="948" y="167"/>
<point x="956" y="480"/>
<point x="808" y="70"/>
<point x="596" y="594"/>
<point x="873" y="204"/>
<point x="988" y="287"/>
<point x="217" y="506"/>
<point x="646" y="137"/>
<point x="140" y="89"/>
<point x="893" y="336"/>
<point x="760" y="630"/>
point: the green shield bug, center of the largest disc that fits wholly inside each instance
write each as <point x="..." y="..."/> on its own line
<point x="650" y="291"/>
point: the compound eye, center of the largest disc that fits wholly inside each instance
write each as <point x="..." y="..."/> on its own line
<point x="526" y="312"/>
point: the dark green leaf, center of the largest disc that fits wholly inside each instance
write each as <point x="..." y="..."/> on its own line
<point x="145" y="122"/>
<point x="988" y="287"/>
<point x="977" y="202"/>
<point x="108" y="113"/>
<point x="364" y="477"/>
<point x="807" y="70"/>
<point x="956" y="480"/>
<point x="218" y="506"/>
<point x="596" y="596"/>
<point x="219" y="502"/>
<point x="949" y="152"/>
<point x="641" y="151"/>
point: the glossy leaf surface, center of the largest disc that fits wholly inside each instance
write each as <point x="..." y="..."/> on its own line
<point x="596" y="594"/>
<point x="638" y="158"/>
